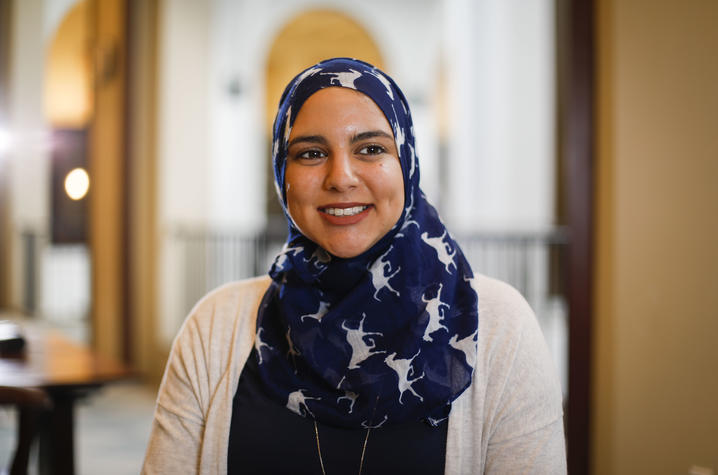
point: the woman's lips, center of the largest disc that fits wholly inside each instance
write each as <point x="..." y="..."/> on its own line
<point x="344" y="214"/>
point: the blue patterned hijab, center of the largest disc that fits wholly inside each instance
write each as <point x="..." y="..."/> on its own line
<point x="385" y="337"/>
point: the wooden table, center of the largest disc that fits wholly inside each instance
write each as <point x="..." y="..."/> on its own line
<point x="66" y="371"/>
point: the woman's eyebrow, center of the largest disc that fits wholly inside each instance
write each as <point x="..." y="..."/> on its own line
<point x="369" y="135"/>
<point x="309" y="138"/>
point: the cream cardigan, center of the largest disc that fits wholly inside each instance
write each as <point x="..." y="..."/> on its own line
<point x="508" y="421"/>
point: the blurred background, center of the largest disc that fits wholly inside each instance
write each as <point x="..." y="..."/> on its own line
<point x="570" y="147"/>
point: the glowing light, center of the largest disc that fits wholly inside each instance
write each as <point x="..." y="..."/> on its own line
<point x="77" y="183"/>
<point x="4" y="140"/>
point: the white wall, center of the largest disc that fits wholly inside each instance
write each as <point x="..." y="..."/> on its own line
<point x="183" y="148"/>
<point x="500" y="65"/>
<point x="54" y="12"/>
<point x="182" y="140"/>
<point x="28" y="163"/>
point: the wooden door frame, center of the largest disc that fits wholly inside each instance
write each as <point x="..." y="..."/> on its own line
<point x="576" y="79"/>
<point x="6" y="30"/>
<point x="108" y="169"/>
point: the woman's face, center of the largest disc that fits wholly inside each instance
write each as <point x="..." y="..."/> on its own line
<point x="343" y="178"/>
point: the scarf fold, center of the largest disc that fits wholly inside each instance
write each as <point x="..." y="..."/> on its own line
<point x="385" y="337"/>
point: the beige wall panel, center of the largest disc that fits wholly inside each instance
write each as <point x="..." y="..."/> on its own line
<point x="107" y="171"/>
<point x="655" y="383"/>
<point x="148" y="356"/>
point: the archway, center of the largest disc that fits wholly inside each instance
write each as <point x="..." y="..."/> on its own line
<point x="68" y="89"/>
<point x="307" y="38"/>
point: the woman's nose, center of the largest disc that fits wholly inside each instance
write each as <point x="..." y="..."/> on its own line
<point x="341" y="175"/>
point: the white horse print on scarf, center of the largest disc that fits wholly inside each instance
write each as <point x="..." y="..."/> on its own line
<point x="467" y="346"/>
<point x="351" y="397"/>
<point x="402" y="368"/>
<point x="442" y="249"/>
<point x="282" y="258"/>
<point x="435" y="308"/>
<point x="321" y="311"/>
<point x="360" y="349"/>
<point x="344" y="79"/>
<point x="258" y="344"/>
<point x="298" y="401"/>
<point x="378" y="278"/>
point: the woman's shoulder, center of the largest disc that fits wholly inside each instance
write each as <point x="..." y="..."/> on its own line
<point x="224" y="308"/>
<point x="502" y="308"/>
<point x="512" y="344"/>
<point x="246" y="289"/>
<point x="514" y="401"/>
<point x="509" y="332"/>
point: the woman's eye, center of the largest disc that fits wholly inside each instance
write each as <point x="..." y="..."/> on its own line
<point x="311" y="155"/>
<point x="372" y="150"/>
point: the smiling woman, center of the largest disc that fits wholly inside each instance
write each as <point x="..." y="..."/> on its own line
<point x="348" y="188"/>
<point x="361" y="353"/>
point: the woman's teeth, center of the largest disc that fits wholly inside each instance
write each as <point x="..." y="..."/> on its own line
<point x="345" y="211"/>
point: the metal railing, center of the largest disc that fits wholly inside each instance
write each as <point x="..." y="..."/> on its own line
<point x="55" y="278"/>
<point x="530" y="261"/>
<point x="207" y="259"/>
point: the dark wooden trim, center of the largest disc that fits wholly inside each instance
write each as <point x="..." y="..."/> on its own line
<point x="6" y="31"/>
<point x="127" y="229"/>
<point x="576" y="72"/>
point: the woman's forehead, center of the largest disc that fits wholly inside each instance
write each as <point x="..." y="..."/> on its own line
<point x="329" y="105"/>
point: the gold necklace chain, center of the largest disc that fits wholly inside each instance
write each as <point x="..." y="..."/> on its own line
<point x="319" y="448"/>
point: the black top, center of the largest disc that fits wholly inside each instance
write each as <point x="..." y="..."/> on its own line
<point x="267" y="438"/>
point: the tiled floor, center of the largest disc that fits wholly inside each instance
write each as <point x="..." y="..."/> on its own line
<point x="112" y="427"/>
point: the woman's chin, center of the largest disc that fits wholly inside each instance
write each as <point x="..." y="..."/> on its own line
<point x="346" y="250"/>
